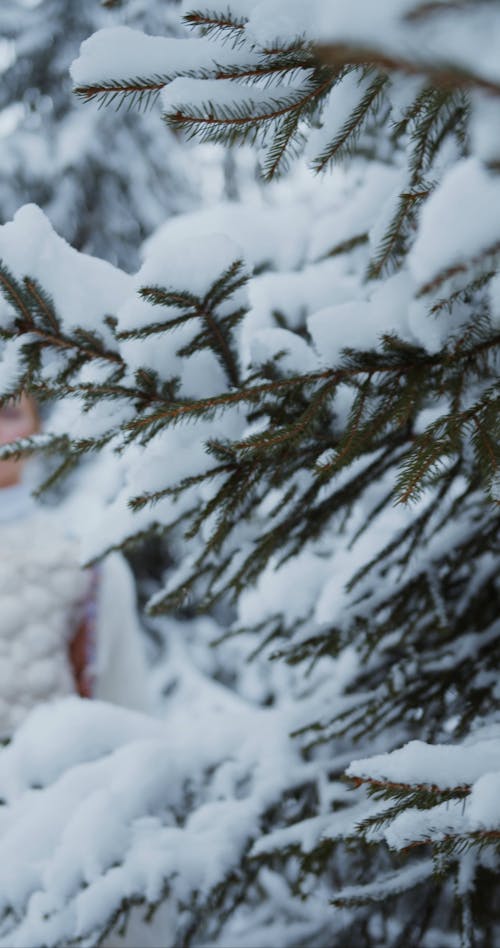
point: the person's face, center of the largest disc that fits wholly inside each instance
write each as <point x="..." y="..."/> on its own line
<point x="18" y="419"/>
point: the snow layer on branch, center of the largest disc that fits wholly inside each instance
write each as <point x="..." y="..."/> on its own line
<point x="480" y="811"/>
<point x="471" y="768"/>
<point x="121" y="53"/>
<point x="335" y="327"/>
<point x="114" y="825"/>
<point x="441" y="37"/>
<point x="360" y="324"/>
<point x="288" y="19"/>
<point x="295" y="356"/>
<point x="308" y="833"/>
<point x="296" y="295"/>
<point x="356" y="210"/>
<point x="294" y="585"/>
<point x="403" y="880"/>
<point x="266" y="234"/>
<point x="193" y="263"/>
<point x="188" y="94"/>
<point x="436" y="764"/>
<point x="458" y="223"/>
<point x="101" y="728"/>
<point x="83" y="288"/>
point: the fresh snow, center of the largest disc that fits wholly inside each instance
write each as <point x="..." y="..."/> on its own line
<point x="102" y="804"/>
<point x="119" y="52"/>
<point x="458" y="222"/>
<point x="441" y="765"/>
<point x="114" y="793"/>
<point x="83" y="288"/>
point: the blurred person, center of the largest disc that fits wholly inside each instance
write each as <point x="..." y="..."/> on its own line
<point x="63" y="629"/>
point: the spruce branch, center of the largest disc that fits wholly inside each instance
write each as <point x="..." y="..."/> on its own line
<point x="427" y="8"/>
<point x="345" y="139"/>
<point x="448" y="76"/>
<point x="218" y="328"/>
<point x="137" y="91"/>
<point x="483" y="260"/>
<point x="248" y="120"/>
<point x="390" y="789"/>
<point x="152" y="497"/>
<point x="212" y="23"/>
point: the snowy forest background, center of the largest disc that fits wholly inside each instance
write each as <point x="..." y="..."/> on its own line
<point x="274" y="384"/>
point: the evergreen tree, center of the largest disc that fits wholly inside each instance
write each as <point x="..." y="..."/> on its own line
<point x="70" y="162"/>
<point x="317" y="430"/>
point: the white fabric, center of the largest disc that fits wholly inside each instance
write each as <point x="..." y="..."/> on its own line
<point x="121" y="672"/>
<point x="42" y="587"/>
<point x="16" y="502"/>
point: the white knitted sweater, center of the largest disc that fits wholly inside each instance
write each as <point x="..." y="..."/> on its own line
<point x="42" y="587"/>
